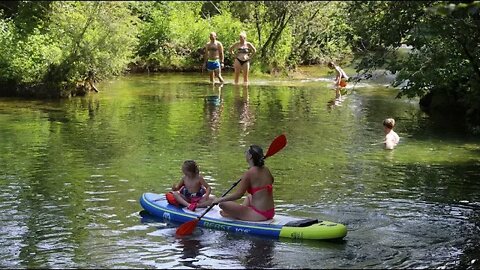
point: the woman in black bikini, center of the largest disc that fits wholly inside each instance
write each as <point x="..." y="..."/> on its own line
<point x="243" y="51"/>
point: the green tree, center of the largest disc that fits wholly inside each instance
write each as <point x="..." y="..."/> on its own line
<point x="97" y="36"/>
<point x="46" y="56"/>
<point x="173" y="34"/>
<point x="443" y="65"/>
<point x="288" y="33"/>
<point x="321" y="33"/>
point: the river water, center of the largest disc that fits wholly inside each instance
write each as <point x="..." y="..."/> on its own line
<point x="72" y="172"/>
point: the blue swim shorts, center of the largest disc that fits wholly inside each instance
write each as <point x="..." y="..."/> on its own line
<point x="213" y="64"/>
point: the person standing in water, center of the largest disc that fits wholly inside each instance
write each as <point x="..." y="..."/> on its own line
<point x="340" y="78"/>
<point x="243" y="51"/>
<point x="213" y="58"/>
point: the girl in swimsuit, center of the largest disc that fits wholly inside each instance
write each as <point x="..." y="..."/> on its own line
<point x="257" y="181"/>
<point x="243" y="51"/>
<point x="192" y="190"/>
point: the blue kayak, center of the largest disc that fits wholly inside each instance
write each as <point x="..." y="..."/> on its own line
<point x="279" y="226"/>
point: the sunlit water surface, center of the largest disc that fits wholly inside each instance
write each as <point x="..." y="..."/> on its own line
<point x="72" y="171"/>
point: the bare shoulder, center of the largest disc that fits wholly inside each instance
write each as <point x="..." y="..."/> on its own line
<point x="248" y="174"/>
<point x="255" y="171"/>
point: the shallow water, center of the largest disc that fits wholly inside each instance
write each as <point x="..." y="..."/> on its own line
<point x="72" y="171"/>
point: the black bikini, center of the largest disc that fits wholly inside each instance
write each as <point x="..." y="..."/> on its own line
<point x="242" y="50"/>
<point x="242" y="61"/>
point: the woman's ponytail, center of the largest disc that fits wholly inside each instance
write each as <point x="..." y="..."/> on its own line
<point x="257" y="155"/>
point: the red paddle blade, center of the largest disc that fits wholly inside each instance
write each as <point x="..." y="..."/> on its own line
<point x="276" y="145"/>
<point x="187" y="227"/>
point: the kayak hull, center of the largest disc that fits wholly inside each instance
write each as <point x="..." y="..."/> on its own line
<point x="279" y="226"/>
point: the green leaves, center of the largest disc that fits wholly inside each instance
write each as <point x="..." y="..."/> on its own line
<point x="445" y="9"/>
<point x="66" y="40"/>
<point x="444" y="59"/>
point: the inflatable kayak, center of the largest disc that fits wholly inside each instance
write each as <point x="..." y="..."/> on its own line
<point x="279" y="226"/>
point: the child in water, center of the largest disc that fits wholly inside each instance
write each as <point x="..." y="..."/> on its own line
<point x="340" y="78"/>
<point x="192" y="191"/>
<point x="391" y="137"/>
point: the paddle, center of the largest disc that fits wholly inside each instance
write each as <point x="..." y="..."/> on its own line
<point x="188" y="227"/>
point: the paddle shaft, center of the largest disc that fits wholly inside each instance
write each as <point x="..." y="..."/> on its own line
<point x="226" y="192"/>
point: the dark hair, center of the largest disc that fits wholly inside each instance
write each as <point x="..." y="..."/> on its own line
<point x="257" y="155"/>
<point x="331" y="64"/>
<point x="191" y="166"/>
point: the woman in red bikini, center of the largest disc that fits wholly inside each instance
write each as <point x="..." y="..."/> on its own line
<point x="257" y="181"/>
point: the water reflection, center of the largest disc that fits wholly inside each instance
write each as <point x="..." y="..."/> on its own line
<point x="340" y="96"/>
<point x="241" y="99"/>
<point x="213" y="107"/>
<point x="214" y="96"/>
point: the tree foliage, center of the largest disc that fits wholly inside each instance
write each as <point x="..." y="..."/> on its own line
<point x="67" y="41"/>
<point x="174" y="33"/>
<point x="444" y="59"/>
<point x="59" y="42"/>
<point x="321" y="32"/>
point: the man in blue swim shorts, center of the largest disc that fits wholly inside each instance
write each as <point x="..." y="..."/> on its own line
<point x="213" y="58"/>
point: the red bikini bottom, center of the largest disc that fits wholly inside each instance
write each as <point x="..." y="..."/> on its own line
<point x="268" y="214"/>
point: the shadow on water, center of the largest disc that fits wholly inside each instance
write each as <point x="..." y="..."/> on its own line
<point x="331" y="244"/>
<point x="260" y="254"/>
<point x="191" y="250"/>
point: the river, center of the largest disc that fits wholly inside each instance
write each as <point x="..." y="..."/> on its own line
<point x="72" y="172"/>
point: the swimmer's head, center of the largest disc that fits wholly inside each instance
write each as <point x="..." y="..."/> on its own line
<point x="389" y="123"/>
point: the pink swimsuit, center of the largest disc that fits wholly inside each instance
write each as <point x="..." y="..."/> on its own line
<point x="268" y="214"/>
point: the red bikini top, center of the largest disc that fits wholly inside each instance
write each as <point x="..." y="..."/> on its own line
<point x="255" y="189"/>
